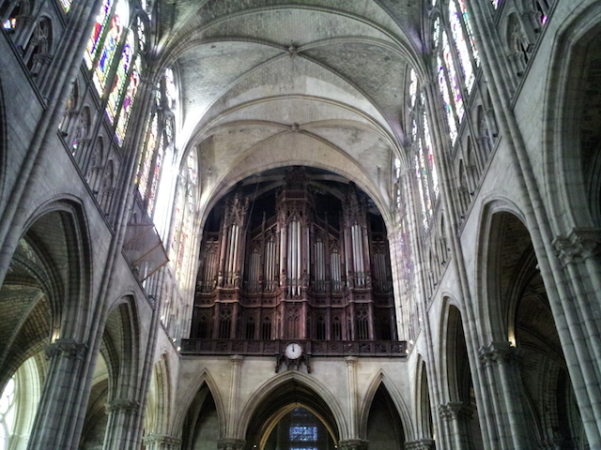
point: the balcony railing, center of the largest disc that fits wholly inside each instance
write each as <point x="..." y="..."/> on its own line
<point x="216" y="347"/>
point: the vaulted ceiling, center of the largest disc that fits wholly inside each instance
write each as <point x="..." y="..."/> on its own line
<point x="268" y="83"/>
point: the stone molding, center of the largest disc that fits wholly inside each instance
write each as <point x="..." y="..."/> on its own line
<point x="164" y="439"/>
<point x="352" y="444"/>
<point x="421" y="444"/>
<point x="231" y="444"/>
<point x="455" y="411"/>
<point x="497" y="352"/>
<point x="68" y="348"/>
<point x="122" y="404"/>
<point x="579" y="245"/>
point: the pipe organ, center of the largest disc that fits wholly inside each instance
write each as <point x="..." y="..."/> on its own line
<point x="296" y="262"/>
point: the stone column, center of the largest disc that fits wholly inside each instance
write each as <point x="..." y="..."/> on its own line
<point x="122" y="414"/>
<point x="59" y="408"/>
<point x="421" y="444"/>
<point x="455" y="415"/>
<point x="352" y="444"/>
<point x="231" y="444"/>
<point x="500" y="361"/>
<point x="162" y="442"/>
<point x="351" y="365"/>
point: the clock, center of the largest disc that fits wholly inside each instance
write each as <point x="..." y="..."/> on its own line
<point x="293" y="350"/>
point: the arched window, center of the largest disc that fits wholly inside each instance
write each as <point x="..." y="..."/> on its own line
<point x="425" y="166"/>
<point x="456" y="59"/>
<point x="159" y="143"/>
<point x="184" y="217"/>
<point x="7" y="412"/>
<point x="113" y="54"/>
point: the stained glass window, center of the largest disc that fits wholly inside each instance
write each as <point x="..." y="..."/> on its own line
<point x="444" y="89"/>
<point x="461" y="45"/>
<point x="452" y="73"/>
<point x="397" y="182"/>
<point x="495" y="3"/>
<point x="155" y="178"/>
<point x="97" y="31"/>
<point x="470" y="33"/>
<point x="412" y="87"/>
<point x="128" y="101"/>
<point x="66" y="4"/>
<point x="430" y="152"/>
<point x="107" y="54"/>
<point x="141" y="34"/>
<point x="147" y="156"/>
<point x="120" y="78"/>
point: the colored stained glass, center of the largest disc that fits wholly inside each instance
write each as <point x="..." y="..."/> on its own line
<point x="107" y="55"/>
<point x="97" y="31"/>
<point x="444" y="90"/>
<point x="461" y="45"/>
<point x="495" y="3"/>
<point x="120" y="79"/>
<point x="66" y="4"/>
<point x="430" y="152"/>
<point x="470" y="33"/>
<point x="454" y="81"/>
<point x="147" y="156"/>
<point x="128" y="100"/>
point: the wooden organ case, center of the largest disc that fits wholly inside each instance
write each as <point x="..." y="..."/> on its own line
<point x="295" y="263"/>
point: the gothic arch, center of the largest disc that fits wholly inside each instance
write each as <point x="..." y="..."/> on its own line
<point x="571" y="200"/>
<point x="48" y="283"/>
<point x="379" y="381"/>
<point x="159" y="402"/>
<point x="204" y="380"/>
<point x="271" y="398"/>
<point x="424" y="420"/>
<point x="122" y="335"/>
<point x="491" y="318"/>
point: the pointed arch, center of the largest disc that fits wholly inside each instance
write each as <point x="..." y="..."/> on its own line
<point x="270" y="398"/>
<point x="204" y="380"/>
<point x="159" y="404"/>
<point x="382" y="381"/>
<point x="564" y="128"/>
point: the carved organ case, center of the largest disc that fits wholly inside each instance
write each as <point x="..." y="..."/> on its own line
<point x="300" y="254"/>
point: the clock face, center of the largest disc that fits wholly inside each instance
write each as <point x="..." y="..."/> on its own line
<point x="293" y="351"/>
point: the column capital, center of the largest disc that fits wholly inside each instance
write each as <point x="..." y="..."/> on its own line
<point x="353" y="444"/>
<point x="580" y="244"/>
<point x="163" y="439"/>
<point x="497" y="353"/>
<point x="236" y="360"/>
<point x="455" y="411"/>
<point x="351" y="361"/>
<point x="231" y="444"/>
<point x="421" y="444"/>
<point x="68" y="348"/>
<point x="122" y="404"/>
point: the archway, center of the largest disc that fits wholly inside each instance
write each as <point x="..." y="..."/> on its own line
<point x="294" y="410"/>
<point x="384" y="427"/>
<point x="542" y="397"/>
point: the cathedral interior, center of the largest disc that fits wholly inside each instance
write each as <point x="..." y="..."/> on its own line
<point x="300" y="224"/>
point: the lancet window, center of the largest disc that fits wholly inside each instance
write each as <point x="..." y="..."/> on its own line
<point x="114" y="57"/>
<point x="456" y="58"/>
<point x="159" y="143"/>
<point x="423" y="150"/>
